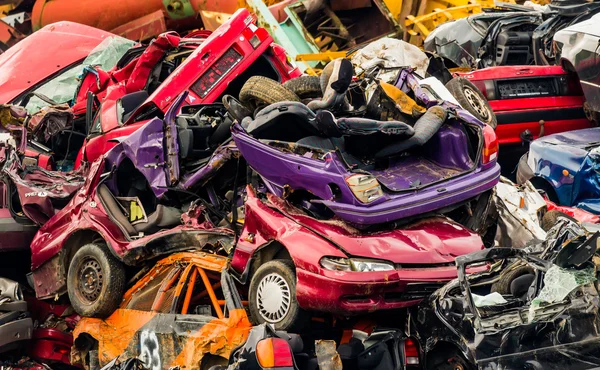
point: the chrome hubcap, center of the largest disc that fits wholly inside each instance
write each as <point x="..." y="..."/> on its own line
<point x="273" y="298"/>
<point x="477" y="104"/>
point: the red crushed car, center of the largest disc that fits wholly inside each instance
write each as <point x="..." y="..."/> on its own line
<point x="219" y="65"/>
<point x="522" y="96"/>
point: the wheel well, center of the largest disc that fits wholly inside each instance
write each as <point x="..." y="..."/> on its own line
<point x="77" y="240"/>
<point x="271" y="251"/>
<point x="543" y="184"/>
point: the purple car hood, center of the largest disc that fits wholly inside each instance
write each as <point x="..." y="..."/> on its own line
<point x="436" y="240"/>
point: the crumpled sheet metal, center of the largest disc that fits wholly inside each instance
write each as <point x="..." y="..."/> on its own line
<point x="391" y="54"/>
<point x="164" y="340"/>
<point x="145" y="149"/>
<point x="518" y="214"/>
<point x="38" y="188"/>
<point x="49" y="121"/>
<point x="218" y="337"/>
<point x="577" y="213"/>
<point x="218" y="159"/>
<point x="179" y="340"/>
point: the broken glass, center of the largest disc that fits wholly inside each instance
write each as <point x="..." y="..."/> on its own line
<point x="558" y="283"/>
<point x="62" y="88"/>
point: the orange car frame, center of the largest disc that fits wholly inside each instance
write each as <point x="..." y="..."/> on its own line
<point x="185" y="312"/>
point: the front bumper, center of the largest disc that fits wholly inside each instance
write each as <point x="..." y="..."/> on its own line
<point x="353" y="293"/>
<point x="427" y="200"/>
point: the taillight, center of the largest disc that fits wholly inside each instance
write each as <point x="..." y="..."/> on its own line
<point x="411" y="352"/>
<point x="490" y="145"/>
<point x="274" y="352"/>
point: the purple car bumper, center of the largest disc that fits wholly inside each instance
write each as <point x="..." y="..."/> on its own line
<point x="321" y="176"/>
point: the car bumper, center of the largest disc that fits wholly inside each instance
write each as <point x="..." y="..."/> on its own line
<point x="353" y="293"/>
<point x="524" y="172"/>
<point x="426" y="200"/>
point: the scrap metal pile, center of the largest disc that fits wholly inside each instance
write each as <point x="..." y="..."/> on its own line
<point x="197" y="201"/>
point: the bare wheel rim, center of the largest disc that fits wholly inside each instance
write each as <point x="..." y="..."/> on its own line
<point x="90" y="280"/>
<point x="273" y="298"/>
<point x="477" y="104"/>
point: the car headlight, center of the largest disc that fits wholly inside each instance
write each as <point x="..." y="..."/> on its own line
<point x="355" y="264"/>
<point x="365" y="188"/>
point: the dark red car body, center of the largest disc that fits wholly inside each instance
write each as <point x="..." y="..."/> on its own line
<point x="521" y="96"/>
<point x="85" y="219"/>
<point x="220" y="63"/>
<point x="423" y="254"/>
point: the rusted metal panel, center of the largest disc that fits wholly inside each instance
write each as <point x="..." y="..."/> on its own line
<point x="143" y="28"/>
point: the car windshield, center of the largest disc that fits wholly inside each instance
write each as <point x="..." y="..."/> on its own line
<point x="61" y="89"/>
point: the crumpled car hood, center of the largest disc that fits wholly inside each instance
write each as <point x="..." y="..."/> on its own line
<point x="436" y="240"/>
<point x="43" y="54"/>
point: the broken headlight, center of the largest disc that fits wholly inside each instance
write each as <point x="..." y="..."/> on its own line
<point x="355" y="264"/>
<point x="365" y="188"/>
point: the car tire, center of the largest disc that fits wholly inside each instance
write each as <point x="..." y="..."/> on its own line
<point x="95" y="281"/>
<point x="259" y="91"/>
<point x="306" y="87"/>
<point x="502" y="286"/>
<point x="471" y="99"/>
<point x="551" y="218"/>
<point x="274" y="283"/>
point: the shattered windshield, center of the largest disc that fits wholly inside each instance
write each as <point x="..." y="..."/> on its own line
<point x="61" y="89"/>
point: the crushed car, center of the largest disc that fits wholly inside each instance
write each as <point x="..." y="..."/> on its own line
<point x="576" y="50"/>
<point x="97" y="226"/>
<point x="534" y="308"/>
<point x="185" y="312"/>
<point x="369" y="172"/>
<point x="472" y="42"/>
<point x="564" y="167"/>
<point x="122" y="216"/>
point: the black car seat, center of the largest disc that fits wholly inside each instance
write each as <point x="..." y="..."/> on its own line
<point x="295" y="122"/>
<point x="162" y="217"/>
<point x="425" y="127"/>
<point x="335" y="81"/>
<point x="285" y="121"/>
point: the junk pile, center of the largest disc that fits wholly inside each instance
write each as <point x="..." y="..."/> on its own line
<point x="197" y="202"/>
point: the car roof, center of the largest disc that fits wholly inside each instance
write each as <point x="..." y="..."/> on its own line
<point x="575" y="138"/>
<point x="43" y="54"/>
